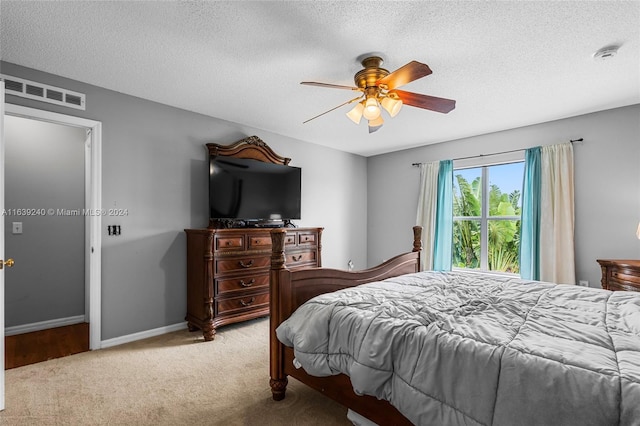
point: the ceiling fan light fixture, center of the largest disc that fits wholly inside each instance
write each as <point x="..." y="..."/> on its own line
<point x="379" y="90"/>
<point x="371" y="109"/>
<point x="375" y="124"/>
<point x="391" y="105"/>
<point x="356" y="113"/>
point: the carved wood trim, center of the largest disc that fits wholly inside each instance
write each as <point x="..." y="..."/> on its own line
<point x="417" y="238"/>
<point x="251" y="147"/>
<point x="277" y="248"/>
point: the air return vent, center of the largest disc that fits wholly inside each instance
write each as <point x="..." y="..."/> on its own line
<point x="42" y="92"/>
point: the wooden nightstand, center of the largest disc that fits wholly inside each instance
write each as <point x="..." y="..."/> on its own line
<point x="621" y="275"/>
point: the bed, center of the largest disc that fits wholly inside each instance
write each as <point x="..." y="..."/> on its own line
<point x="401" y="346"/>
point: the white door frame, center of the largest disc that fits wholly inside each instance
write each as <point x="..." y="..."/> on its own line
<point x="93" y="210"/>
<point x="2" y="243"/>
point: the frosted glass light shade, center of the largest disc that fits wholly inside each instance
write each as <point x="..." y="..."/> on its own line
<point x="638" y="231"/>
<point x="371" y="109"/>
<point x="374" y="125"/>
<point x="356" y="113"/>
<point x="391" y="105"/>
<point x="376" y="122"/>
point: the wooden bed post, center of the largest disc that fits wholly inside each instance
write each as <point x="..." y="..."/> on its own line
<point x="417" y="238"/>
<point x="278" y="381"/>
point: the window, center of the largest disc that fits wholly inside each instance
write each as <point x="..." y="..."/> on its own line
<point x="486" y="217"/>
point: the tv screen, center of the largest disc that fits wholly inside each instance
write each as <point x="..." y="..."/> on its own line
<point x="251" y="190"/>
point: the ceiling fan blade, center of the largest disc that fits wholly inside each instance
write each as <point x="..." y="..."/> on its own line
<point x="332" y="109"/>
<point x="332" y="86"/>
<point x="405" y="74"/>
<point x="432" y="103"/>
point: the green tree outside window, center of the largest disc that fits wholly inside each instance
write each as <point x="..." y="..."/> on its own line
<point x="500" y="218"/>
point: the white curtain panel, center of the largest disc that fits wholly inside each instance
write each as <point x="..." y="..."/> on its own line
<point x="427" y="204"/>
<point x="557" y="257"/>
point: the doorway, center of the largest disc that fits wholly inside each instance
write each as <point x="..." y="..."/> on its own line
<point x="67" y="287"/>
<point x="44" y="202"/>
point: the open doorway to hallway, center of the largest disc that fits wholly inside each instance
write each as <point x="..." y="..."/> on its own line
<point x="45" y="303"/>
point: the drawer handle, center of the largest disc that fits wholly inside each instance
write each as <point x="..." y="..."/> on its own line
<point x="246" y="265"/>
<point x="249" y="284"/>
<point x="295" y="259"/>
<point x="243" y="303"/>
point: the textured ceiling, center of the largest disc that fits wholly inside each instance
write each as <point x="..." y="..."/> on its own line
<point x="507" y="64"/>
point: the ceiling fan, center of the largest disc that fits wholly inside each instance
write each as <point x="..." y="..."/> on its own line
<point x="379" y="88"/>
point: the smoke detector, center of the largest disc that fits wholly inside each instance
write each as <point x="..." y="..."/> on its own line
<point x="605" y="53"/>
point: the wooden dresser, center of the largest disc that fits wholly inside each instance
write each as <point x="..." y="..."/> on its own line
<point x="620" y="274"/>
<point x="228" y="272"/>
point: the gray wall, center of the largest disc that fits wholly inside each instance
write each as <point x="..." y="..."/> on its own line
<point x="154" y="164"/>
<point x="607" y="184"/>
<point x="44" y="169"/>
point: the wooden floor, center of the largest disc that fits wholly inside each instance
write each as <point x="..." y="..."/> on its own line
<point x="38" y="346"/>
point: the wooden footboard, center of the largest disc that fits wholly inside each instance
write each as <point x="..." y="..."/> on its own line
<point x="290" y="289"/>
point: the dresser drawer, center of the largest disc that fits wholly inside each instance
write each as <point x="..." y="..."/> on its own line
<point x="620" y="275"/>
<point x="229" y="285"/>
<point x="623" y="279"/>
<point x="260" y="242"/>
<point x="246" y="263"/>
<point x="293" y="260"/>
<point x="242" y="304"/>
<point x="626" y="276"/>
<point x="229" y="242"/>
<point x="622" y="286"/>
<point x="306" y="238"/>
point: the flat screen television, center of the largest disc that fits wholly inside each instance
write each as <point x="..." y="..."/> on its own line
<point x="253" y="191"/>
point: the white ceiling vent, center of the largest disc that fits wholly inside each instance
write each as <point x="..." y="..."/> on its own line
<point x="42" y="92"/>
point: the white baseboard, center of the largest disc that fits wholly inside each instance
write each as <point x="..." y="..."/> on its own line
<point x="142" y="335"/>
<point x="60" y="322"/>
<point x="43" y="325"/>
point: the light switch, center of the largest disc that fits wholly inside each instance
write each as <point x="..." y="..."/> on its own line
<point x="16" y="228"/>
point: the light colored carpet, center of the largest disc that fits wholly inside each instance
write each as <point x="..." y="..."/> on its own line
<point x="173" y="379"/>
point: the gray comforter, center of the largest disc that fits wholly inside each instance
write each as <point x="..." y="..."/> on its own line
<point x="461" y="348"/>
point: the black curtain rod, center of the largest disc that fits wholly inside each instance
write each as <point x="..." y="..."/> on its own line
<point x="495" y="153"/>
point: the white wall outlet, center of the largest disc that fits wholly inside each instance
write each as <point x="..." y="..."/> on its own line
<point x="584" y="283"/>
<point x="16" y="228"/>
